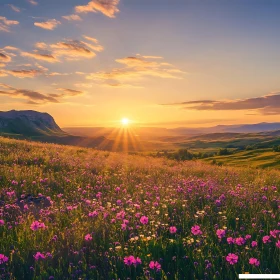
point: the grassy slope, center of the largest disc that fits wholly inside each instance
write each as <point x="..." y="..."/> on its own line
<point x="261" y="158"/>
<point x="81" y="174"/>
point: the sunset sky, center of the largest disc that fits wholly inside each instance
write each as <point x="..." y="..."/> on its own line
<point x="166" y="63"/>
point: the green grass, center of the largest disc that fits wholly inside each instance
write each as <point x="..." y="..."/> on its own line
<point x="105" y="194"/>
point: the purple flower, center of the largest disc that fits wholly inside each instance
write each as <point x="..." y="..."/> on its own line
<point x="3" y="258"/>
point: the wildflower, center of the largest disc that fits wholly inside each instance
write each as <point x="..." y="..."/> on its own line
<point x="278" y="244"/>
<point x="131" y="260"/>
<point x="221" y="233"/>
<point x="254" y="262"/>
<point x="88" y="237"/>
<point x="172" y="230"/>
<point x="274" y="233"/>
<point x="230" y="240"/>
<point x="3" y="258"/>
<point x="254" y="244"/>
<point x="155" y="265"/>
<point x="37" y="225"/>
<point x="248" y="236"/>
<point x="144" y="220"/>
<point x="93" y="214"/>
<point x="239" y="241"/>
<point x="2" y="223"/>
<point x="39" y="256"/>
<point x="266" y="239"/>
<point x="232" y="258"/>
<point x="196" y="230"/>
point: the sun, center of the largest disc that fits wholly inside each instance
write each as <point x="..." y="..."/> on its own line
<point x="125" y="121"/>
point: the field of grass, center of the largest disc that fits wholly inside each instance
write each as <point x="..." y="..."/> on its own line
<point x="260" y="158"/>
<point x="118" y="216"/>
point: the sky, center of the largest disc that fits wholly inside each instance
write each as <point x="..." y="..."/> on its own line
<point x="166" y="63"/>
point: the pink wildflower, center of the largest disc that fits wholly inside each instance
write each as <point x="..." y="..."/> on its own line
<point x="2" y="223"/>
<point x="266" y="239"/>
<point x="172" y="230"/>
<point x="254" y="243"/>
<point x="3" y="258"/>
<point x="144" y="220"/>
<point x="88" y="237"/>
<point x="39" y="256"/>
<point x="221" y="233"/>
<point x="254" y="262"/>
<point x="196" y="230"/>
<point x="240" y="241"/>
<point x="278" y="244"/>
<point x="230" y="240"/>
<point x="232" y="258"/>
<point x="37" y="225"/>
<point x="155" y="265"/>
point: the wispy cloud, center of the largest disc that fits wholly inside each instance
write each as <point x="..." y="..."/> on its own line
<point x="36" y="97"/>
<point x="39" y="56"/>
<point x="69" y="50"/>
<point x="4" y="58"/>
<point x="6" y="23"/>
<point x="107" y="7"/>
<point x="14" y="8"/>
<point x="24" y="73"/>
<point x="267" y="104"/>
<point x="50" y="24"/>
<point x="33" y="2"/>
<point x="72" y="17"/>
<point x="136" y="67"/>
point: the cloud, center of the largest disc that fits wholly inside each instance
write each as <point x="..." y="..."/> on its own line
<point x="72" y="17"/>
<point x="50" y="24"/>
<point x="74" y="49"/>
<point x="35" y="97"/>
<point x="69" y="92"/>
<point x="10" y="48"/>
<point x="267" y="104"/>
<point x="4" y="58"/>
<point x="41" y="45"/>
<point x="33" y="2"/>
<point x="106" y="7"/>
<point x="24" y="73"/>
<point x="91" y="39"/>
<point x="136" y="67"/>
<point x="5" y="24"/>
<point x="39" y="56"/>
<point x="14" y="8"/>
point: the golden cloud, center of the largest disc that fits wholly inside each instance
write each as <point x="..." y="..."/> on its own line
<point x="51" y="24"/>
<point x="106" y="7"/>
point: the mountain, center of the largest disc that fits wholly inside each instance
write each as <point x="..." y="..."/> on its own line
<point x="28" y="123"/>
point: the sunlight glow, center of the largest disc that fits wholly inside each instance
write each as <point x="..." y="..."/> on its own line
<point x="125" y="121"/>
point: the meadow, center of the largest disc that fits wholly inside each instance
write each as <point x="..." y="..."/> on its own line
<point x="107" y="215"/>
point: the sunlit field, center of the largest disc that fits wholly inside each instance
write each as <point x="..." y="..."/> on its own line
<point x="73" y="213"/>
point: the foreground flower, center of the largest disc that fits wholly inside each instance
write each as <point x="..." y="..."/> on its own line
<point x="88" y="237"/>
<point x="232" y="258"/>
<point x="278" y="244"/>
<point x="3" y="258"/>
<point x="39" y="256"/>
<point x="196" y="230"/>
<point x="131" y="260"/>
<point x="37" y="225"/>
<point x="254" y="243"/>
<point x="144" y="220"/>
<point x="172" y="230"/>
<point x="155" y="265"/>
<point x="266" y="239"/>
<point x="254" y="262"/>
<point x="221" y="233"/>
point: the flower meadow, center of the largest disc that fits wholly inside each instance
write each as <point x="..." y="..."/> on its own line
<point x="72" y="213"/>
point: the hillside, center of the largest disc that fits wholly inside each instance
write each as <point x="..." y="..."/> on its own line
<point x="28" y="123"/>
<point x="75" y="213"/>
